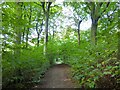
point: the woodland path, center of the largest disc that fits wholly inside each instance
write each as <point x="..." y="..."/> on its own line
<point x="57" y="76"/>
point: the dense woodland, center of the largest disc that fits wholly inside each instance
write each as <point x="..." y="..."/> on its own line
<point x="93" y="54"/>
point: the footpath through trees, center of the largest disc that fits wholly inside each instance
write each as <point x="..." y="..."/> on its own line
<point x="57" y="76"/>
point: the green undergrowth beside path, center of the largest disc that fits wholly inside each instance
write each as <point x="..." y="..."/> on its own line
<point x="29" y="67"/>
<point x="91" y="66"/>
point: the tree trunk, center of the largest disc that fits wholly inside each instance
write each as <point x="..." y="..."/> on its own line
<point x="23" y="34"/>
<point x="46" y="32"/>
<point x="27" y="32"/>
<point x="37" y="34"/>
<point x="38" y="41"/>
<point x="53" y="33"/>
<point x="46" y="9"/>
<point x="79" y="32"/>
<point x="94" y="32"/>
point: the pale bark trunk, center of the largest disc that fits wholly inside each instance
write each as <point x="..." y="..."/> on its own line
<point x="46" y="12"/>
<point x="46" y="33"/>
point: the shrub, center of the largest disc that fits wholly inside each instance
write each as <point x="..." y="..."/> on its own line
<point x="28" y="67"/>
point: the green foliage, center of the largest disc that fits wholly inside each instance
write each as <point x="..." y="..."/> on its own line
<point x="52" y="51"/>
<point x="91" y="64"/>
<point x="28" y="67"/>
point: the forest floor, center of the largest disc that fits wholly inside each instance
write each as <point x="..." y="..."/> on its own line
<point x="58" y="76"/>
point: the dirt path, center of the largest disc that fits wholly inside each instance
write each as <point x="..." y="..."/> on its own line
<point x="57" y="77"/>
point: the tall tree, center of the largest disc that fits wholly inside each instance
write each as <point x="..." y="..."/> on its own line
<point x="78" y="15"/>
<point x="39" y="30"/>
<point x="97" y="10"/>
<point x="29" y="24"/>
<point x="46" y="10"/>
<point x="55" y="14"/>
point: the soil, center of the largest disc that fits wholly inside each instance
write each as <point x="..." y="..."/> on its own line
<point x="57" y="76"/>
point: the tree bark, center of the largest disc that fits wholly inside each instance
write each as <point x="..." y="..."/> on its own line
<point x="27" y="32"/>
<point x="53" y="33"/>
<point x="39" y="32"/>
<point x="46" y="12"/>
<point x="38" y="41"/>
<point x="94" y="8"/>
<point x="94" y="31"/>
<point x="46" y="32"/>
<point x="79" y="32"/>
<point x="23" y="35"/>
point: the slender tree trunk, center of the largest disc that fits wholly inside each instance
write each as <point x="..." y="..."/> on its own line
<point x="94" y="32"/>
<point x="23" y="34"/>
<point x="53" y="33"/>
<point x="39" y="32"/>
<point x="27" y="33"/>
<point x="46" y="9"/>
<point x="46" y="33"/>
<point x="79" y="32"/>
<point x="38" y="41"/>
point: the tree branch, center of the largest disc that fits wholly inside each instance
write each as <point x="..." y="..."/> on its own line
<point x="104" y="10"/>
<point x="106" y="7"/>
<point x="43" y="6"/>
<point x="101" y="3"/>
<point x="37" y="28"/>
<point x="49" y="5"/>
<point x="37" y="4"/>
<point x="88" y="5"/>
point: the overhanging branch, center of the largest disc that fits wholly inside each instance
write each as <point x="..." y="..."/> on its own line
<point x="108" y="3"/>
<point x="43" y="6"/>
